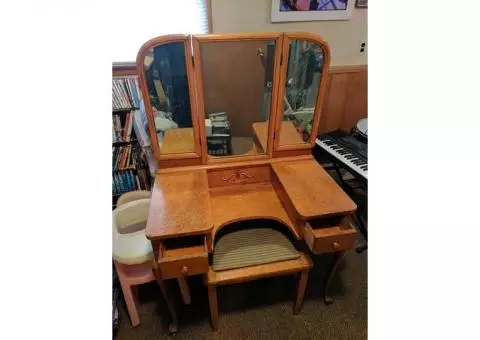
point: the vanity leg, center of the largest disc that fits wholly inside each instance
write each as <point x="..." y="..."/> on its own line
<point x="212" y="299"/>
<point x="301" y="286"/>
<point x="184" y="290"/>
<point x="173" y="326"/>
<point x="337" y="257"/>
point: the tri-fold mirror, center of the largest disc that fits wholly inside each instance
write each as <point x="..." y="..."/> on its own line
<point x="222" y="98"/>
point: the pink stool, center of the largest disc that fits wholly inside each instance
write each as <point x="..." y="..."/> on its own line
<point x="132" y="253"/>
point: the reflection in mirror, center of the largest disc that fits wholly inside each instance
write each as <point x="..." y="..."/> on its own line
<point x="304" y="70"/>
<point x="237" y="87"/>
<point x="167" y="83"/>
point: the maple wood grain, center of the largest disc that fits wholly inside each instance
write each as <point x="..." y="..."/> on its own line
<point x="311" y="189"/>
<point x="239" y="176"/>
<point x="177" y="141"/>
<point x="247" y="202"/>
<point x="172" y="267"/>
<point x="288" y="134"/>
<point x="238" y="275"/>
<point x="180" y="205"/>
<point x="330" y="239"/>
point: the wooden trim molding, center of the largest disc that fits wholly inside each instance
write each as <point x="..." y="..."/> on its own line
<point x="124" y="69"/>
<point x="129" y="68"/>
<point x="347" y="69"/>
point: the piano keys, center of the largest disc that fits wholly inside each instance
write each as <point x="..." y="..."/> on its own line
<point x="347" y="150"/>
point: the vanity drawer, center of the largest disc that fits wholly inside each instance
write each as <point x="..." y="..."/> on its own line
<point x="330" y="239"/>
<point x="183" y="261"/>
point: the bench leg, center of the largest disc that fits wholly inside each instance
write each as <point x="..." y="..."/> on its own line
<point x="301" y="286"/>
<point x="212" y="299"/>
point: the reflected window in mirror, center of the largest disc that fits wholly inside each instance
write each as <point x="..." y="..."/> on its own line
<point x="304" y="70"/>
<point x="167" y="83"/>
<point x="237" y="86"/>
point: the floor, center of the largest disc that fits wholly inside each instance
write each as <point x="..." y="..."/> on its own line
<point x="263" y="309"/>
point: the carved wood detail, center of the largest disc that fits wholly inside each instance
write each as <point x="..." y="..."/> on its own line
<point x="237" y="177"/>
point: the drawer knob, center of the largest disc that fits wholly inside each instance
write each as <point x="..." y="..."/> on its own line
<point x="336" y="245"/>
<point x="184" y="270"/>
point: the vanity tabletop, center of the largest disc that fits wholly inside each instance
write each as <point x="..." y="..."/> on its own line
<point x="311" y="189"/>
<point x="180" y="205"/>
<point x="247" y="201"/>
<point x="288" y="134"/>
<point x="179" y="140"/>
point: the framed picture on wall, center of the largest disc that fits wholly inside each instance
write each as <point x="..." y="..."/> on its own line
<point x="311" y="10"/>
<point x="361" y="4"/>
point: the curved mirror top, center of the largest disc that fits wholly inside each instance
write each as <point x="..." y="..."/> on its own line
<point x="304" y="71"/>
<point x="237" y="88"/>
<point x="167" y="84"/>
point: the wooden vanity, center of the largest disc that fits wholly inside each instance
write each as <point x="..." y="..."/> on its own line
<point x="259" y="97"/>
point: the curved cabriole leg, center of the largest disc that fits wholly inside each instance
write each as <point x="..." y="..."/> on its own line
<point x="301" y="286"/>
<point x="184" y="290"/>
<point x="173" y="326"/>
<point x="337" y="257"/>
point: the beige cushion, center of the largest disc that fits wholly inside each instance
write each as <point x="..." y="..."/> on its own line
<point x="249" y="247"/>
<point x="130" y="245"/>
<point x="133" y="196"/>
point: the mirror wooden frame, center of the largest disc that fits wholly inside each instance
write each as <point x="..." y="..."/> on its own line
<point x="197" y="106"/>
<point x="287" y="38"/>
<point x="180" y="159"/>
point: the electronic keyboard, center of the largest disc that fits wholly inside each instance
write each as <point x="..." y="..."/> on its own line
<point x="347" y="150"/>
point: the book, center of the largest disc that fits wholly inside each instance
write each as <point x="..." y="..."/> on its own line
<point x="126" y="93"/>
<point x="125" y="127"/>
<point x="129" y="126"/>
<point x="133" y="88"/>
<point x="138" y="182"/>
<point x="130" y="122"/>
<point x="131" y="180"/>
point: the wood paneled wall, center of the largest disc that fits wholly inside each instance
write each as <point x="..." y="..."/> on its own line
<point x="346" y="98"/>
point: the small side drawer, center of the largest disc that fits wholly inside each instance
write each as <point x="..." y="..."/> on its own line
<point x="183" y="261"/>
<point x="329" y="239"/>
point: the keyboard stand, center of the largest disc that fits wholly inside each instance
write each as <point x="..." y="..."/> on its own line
<point x="356" y="218"/>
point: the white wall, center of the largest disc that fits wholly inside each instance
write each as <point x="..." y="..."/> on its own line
<point x="344" y="37"/>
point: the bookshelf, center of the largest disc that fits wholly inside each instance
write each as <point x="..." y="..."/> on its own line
<point x="131" y="153"/>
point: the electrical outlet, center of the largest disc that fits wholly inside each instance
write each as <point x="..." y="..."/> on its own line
<point x="362" y="47"/>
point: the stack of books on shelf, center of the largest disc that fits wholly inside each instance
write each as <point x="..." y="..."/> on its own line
<point x="122" y="132"/>
<point x="124" y="182"/>
<point x="124" y="158"/>
<point x="125" y="93"/>
<point x="129" y="170"/>
<point x="131" y="150"/>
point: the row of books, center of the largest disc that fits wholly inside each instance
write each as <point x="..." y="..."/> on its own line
<point x="124" y="182"/>
<point x="125" y="157"/>
<point x="143" y="179"/>
<point x="122" y="133"/>
<point x="125" y="93"/>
